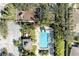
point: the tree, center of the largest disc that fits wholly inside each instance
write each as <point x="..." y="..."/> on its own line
<point x="24" y="52"/>
<point x="44" y="15"/>
<point x="9" y="12"/>
<point x="4" y="52"/>
<point x="76" y="38"/>
<point x="25" y="6"/>
<point x="16" y="43"/>
<point x="43" y="52"/>
<point x="58" y="29"/>
<point x="69" y="26"/>
<point x="3" y="28"/>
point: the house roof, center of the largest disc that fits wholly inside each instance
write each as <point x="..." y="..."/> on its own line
<point x="74" y="51"/>
<point x="28" y="44"/>
<point x="26" y="16"/>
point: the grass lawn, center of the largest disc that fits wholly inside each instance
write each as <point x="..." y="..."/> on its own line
<point x="32" y="34"/>
<point x="34" y="48"/>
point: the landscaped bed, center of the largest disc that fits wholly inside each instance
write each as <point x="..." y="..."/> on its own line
<point x="28" y="28"/>
<point x="43" y="52"/>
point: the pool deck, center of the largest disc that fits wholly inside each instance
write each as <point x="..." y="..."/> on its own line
<point x="37" y="33"/>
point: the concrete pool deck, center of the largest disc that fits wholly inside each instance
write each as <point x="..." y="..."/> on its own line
<point x="37" y="33"/>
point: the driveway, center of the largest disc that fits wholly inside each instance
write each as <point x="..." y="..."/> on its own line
<point x="13" y="33"/>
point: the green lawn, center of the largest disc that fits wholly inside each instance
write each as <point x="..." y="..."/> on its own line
<point x="34" y="48"/>
<point x="32" y="34"/>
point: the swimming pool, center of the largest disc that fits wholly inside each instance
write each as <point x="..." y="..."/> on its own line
<point x="43" y="39"/>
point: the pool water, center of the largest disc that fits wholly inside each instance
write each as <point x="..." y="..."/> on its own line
<point x="43" y="39"/>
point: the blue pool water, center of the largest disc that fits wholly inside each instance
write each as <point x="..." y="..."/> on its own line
<point x="43" y="39"/>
